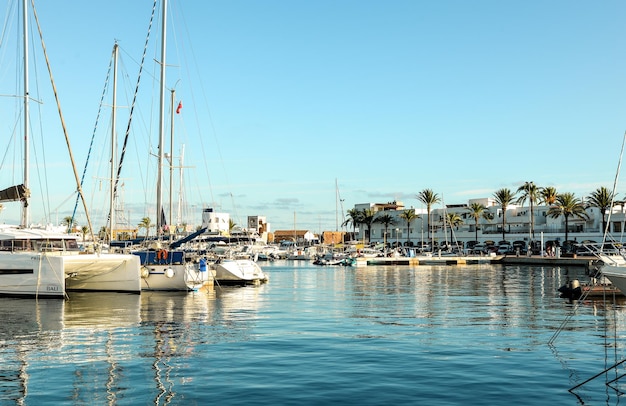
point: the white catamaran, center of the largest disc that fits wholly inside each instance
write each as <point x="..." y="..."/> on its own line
<point x="41" y="262"/>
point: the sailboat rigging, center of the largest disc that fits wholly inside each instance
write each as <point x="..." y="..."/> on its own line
<point x="38" y="262"/>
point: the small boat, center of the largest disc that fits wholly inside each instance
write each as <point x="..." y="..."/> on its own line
<point x="574" y="290"/>
<point x="237" y="271"/>
<point x="339" y="261"/>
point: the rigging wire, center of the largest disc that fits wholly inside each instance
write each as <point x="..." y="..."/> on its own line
<point x="132" y="106"/>
<point x="619" y="165"/>
<point x="67" y="140"/>
<point x="95" y="128"/>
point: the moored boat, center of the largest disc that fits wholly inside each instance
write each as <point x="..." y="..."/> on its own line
<point x="43" y="263"/>
<point x="163" y="270"/>
<point x="575" y="290"/>
<point x="237" y="271"/>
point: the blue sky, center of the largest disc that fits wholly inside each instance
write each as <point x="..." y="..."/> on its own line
<point x="283" y="99"/>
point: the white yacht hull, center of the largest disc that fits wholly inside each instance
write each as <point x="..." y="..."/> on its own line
<point x="238" y="271"/>
<point x="102" y="272"/>
<point x="35" y="274"/>
<point x="172" y="277"/>
<point x="617" y="275"/>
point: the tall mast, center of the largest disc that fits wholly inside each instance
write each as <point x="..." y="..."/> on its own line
<point x="25" y="210"/>
<point x="172" y="156"/>
<point x="159" y="207"/>
<point x="180" y="184"/>
<point x="113" y="143"/>
<point x="336" y="205"/>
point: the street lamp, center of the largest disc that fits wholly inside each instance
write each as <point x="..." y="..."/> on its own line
<point x="385" y="241"/>
<point x="397" y="232"/>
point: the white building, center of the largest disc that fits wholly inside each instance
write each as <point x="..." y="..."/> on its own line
<point x="517" y="224"/>
<point x="215" y="223"/>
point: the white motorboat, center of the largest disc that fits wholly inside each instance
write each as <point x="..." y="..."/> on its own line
<point x="237" y="271"/>
<point x="614" y="268"/>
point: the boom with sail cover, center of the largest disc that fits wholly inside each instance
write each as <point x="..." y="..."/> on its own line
<point x="14" y="193"/>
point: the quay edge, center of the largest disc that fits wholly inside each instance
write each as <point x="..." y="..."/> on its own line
<point x="586" y="262"/>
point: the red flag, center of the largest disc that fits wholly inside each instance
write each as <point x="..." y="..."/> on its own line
<point x="179" y="108"/>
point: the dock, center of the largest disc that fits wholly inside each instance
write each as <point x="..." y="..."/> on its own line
<point x="586" y="262"/>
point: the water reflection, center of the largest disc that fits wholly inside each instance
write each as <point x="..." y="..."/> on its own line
<point x="51" y="326"/>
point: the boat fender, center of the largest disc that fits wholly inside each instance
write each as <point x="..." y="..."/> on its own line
<point x="145" y="272"/>
<point x="169" y="272"/>
<point x="575" y="284"/>
<point x="202" y="265"/>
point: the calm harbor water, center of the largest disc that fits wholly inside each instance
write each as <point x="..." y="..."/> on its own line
<point x="432" y="335"/>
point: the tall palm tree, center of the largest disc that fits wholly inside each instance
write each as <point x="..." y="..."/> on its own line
<point x="354" y="218"/>
<point x="386" y="220"/>
<point x="477" y="211"/>
<point x="529" y="191"/>
<point x="548" y="195"/>
<point x="428" y="197"/>
<point x="504" y="197"/>
<point x="601" y="198"/>
<point x="568" y="205"/>
<point x="147" y="224"/>
<point x="367" y="218"/>
<point x="408" y="215"/>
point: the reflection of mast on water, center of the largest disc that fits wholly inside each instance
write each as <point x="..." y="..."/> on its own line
<point x="162" y="354"/>
<point x="112" y="384"/>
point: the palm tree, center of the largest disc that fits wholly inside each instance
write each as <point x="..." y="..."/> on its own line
<point x="409" y="216"/>
<point x="84" y="230"/>
<point x="103" y="233"/>
<point x="504" y="197"/>
<point x="428" y="197"/>
<point x="453" y="220"/>
<point x="548" y="195"/>
<point x="386" y="220"/>
<point x="568" y="205"/>
<point x="529" y="191"/>
<point x="354" y="218"/>
<point x="147" y="224"/>
<point x="69" y="222"/>
<point x="367" y="218"/>
<point x="477" y="211"/>
<point x="601" y="198"/>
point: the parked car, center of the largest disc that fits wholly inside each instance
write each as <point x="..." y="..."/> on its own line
<point x="505" y="249"/>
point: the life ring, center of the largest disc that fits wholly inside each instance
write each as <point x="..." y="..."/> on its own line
<point x="162" y="255"/>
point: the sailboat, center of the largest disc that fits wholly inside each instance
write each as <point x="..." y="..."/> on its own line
<point x="164" y="267"/>
<point x="40" y="262"/>
<point x="614" y="259"/>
